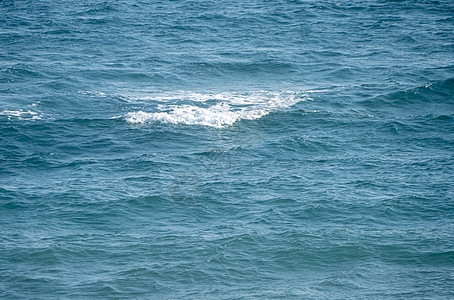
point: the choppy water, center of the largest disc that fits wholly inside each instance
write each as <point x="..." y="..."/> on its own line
<point x="226" y="149"/>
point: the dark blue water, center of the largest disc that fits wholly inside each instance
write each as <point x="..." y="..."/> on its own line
<point x="226" y="149"/>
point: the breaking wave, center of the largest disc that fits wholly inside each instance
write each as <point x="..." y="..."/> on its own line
<point x="21" y="114"/>
<point x="215" y="110"/>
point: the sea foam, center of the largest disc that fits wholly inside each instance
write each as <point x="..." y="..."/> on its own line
<point x="21" y="114"/>
<point x="216" y="110"/>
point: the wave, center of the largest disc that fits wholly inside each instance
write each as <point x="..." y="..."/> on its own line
<point x="21" y="114"/>
<point x="433" y="93"/>
<point x="215" y="110"/>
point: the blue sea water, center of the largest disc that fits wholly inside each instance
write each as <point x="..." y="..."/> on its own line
<point x="226" y="149"/>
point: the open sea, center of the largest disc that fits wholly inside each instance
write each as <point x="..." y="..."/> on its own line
<point x="229" y="149"/>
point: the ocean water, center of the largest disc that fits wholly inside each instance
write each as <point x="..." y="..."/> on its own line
<point x="226" y="149"/>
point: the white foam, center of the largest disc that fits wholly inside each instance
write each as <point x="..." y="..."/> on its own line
<point x="216" y="110"/>
<point x="21" y="114"/>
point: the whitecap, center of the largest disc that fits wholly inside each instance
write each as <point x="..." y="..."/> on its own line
<point x="21" y="114"/>
<point x="216" y="110"/>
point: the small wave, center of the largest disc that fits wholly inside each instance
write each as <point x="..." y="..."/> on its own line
<point x="415" y="98"/>
<point x="21" y="114"/>
<point x="217" y="116"/>
<point x="215" y="110"/>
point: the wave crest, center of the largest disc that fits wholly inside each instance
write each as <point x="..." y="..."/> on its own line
<point x="21" y="114"/>
<point x="215" y="110"/>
